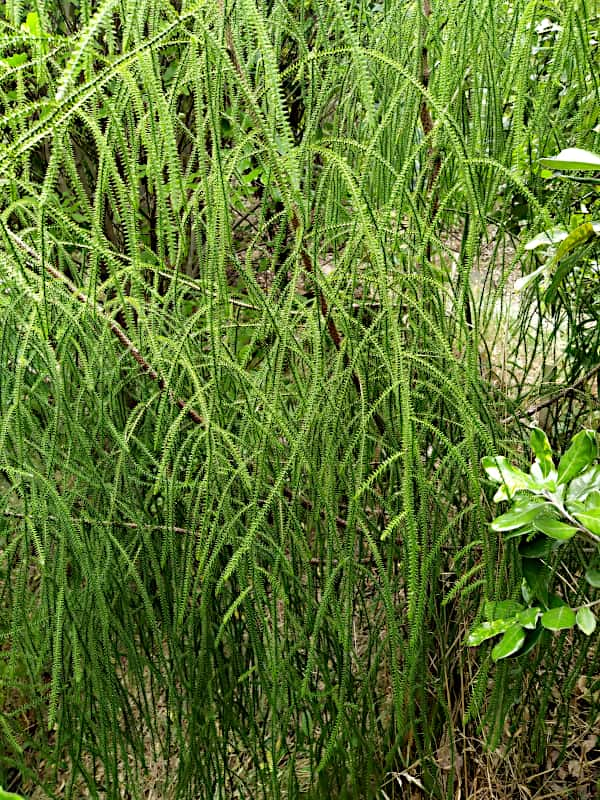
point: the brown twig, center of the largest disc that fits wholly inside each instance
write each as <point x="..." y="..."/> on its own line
<point x="425" y="114"/>
<point x="554" y="398"/>
<point x="304" y="502"/>
<point x="114" y="326"/>
<point x="86" y="521"/>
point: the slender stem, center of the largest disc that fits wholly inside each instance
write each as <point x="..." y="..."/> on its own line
<point x="590" y="605"/>
<point x="556" y="397"/>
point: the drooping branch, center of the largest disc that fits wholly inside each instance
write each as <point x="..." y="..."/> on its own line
<point x="555" y="398"/>
<point x="425" y="112"/>
<point x="114" y="326"/>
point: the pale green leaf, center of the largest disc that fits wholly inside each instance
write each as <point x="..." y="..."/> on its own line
<point x="591" y="519"/>
<point x="553" y="236"/>
<point x="486" y="630"/>
<point x="580" y="487"/>
<point x="529" y="617"/>
<point x="586" y="620"/>
<point x="500" y="470"/>
<point x="579" y="456"/>
<point x="554" y="528"/>
<point x="558" y="619"/>
<point x="518" y="517"/>
<point x="573" y="158"/>
<point x="543" y="452"/>
<point x="510" y="643"/>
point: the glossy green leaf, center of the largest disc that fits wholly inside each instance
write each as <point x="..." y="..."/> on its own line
<point x="529" y="617"/>
<point x="518" y="533"/>
<point x="592" y="576"/>
<point x="543" y="452"/>
<point x="580" y="487"/>
<point x="501" y="609"/>
<point x="579" y="456"/>
<point x="591" y="520"/>
<point x="586" y="620"/>
<point x="554" y="528"/>
<point x="518" y="516"/>
<point x="500" y="470"/>
<point x="573" y="158"/>
<point x="486" y="630"/>
<point x="546" y="238"/>
<point x="510" y="643"/>
<point x="558" y="619"/>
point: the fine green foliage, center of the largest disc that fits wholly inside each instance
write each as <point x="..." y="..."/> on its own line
<point x="253" y="262"/>
<point x="570" y="492"/>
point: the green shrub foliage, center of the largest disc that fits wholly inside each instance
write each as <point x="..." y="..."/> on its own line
<point x="253" y="255"/>
<point x="550" y="506"/>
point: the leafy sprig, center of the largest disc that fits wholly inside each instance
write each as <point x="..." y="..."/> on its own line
<point x="550" y="505"/>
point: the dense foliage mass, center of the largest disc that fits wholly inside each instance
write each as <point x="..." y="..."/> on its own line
<point x="258" y="330"/>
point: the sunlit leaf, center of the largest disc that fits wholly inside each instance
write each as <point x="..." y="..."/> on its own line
<point x="591" y="520"/>
<point x="518" y="517"/>
<point x="580" y="487"/>
<point x="573" y="158"/>
<point x="486" y="630"/>
<point x="553" y="236"/>
<point x="554" y="528"/>
<point x="500" y="470"/>
<point x="586" y="620"/>
<point x="543" y="452"/>
<point x="15" y="60"/>
<point x="579" y="456"/>
<point x="529" y="617"/>
<point x="32" y="24"/>
<point x="557" y="619"/>
<point x="510" y="643"/>
<point x="4" y="795"/>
